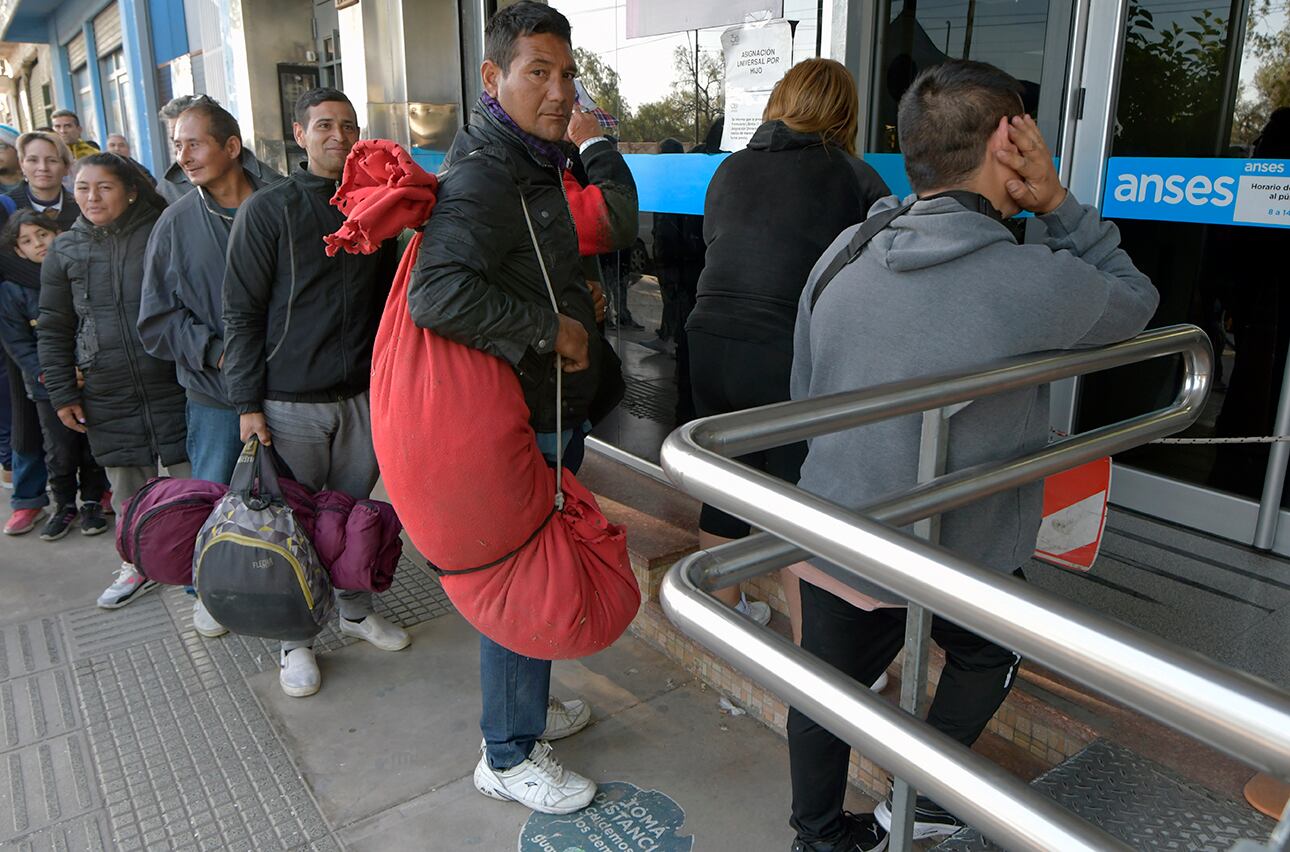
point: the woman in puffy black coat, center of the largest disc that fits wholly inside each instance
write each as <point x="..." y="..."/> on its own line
<point x="771" y="211"/>
<point x="130" y="405"/>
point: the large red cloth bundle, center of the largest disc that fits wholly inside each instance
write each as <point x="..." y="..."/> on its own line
<point x="460" y="461"/>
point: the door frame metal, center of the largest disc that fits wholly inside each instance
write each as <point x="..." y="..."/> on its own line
<point x="1262" y="524"/>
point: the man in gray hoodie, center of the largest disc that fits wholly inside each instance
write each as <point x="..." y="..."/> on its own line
<point x="944" y="286"/>
<point x="180" y="312"/>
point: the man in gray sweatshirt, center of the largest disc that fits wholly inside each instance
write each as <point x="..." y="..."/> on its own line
<point x="943" y="287"/>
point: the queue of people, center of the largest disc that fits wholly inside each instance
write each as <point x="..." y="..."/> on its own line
<point x="154" y="325"/>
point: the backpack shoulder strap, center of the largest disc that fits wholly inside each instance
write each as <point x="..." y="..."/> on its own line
<point x="870" y="229"/>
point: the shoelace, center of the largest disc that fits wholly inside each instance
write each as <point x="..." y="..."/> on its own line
<point x="544" y="761"/>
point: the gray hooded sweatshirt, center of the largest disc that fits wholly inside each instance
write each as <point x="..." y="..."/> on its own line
<point x="947" y="289"/>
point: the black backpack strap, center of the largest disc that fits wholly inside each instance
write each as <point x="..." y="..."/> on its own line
<point x="870" y="229"/>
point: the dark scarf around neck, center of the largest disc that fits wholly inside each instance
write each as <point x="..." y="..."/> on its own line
<point x="548" y="151"/>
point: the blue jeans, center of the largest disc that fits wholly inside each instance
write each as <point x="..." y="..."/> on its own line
<point x="214" y="441"/>
<point x="30" y="479"/>
<point x="6" y="420"/>
<point x="515" y="688"/>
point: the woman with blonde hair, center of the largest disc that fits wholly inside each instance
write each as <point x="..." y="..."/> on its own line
<point x="770" y="212"/>
<point x="45" y="161"/>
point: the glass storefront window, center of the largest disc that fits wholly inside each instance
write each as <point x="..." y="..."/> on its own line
<point x="667" y="93"/>
<point x="1202" y="79"/>
<point x="1012" y="36"/>
<point x="85" y="103"/>
<point x="116" y="86"/>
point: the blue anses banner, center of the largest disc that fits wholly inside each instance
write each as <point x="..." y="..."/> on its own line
<point x="1171" y="189"/>
<point x="677" y="183"/>
<point x="1204" y="191"/>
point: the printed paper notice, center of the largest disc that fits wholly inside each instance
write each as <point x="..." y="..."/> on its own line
<point x="1263" y="200"/>
<point x="757" y="56"/>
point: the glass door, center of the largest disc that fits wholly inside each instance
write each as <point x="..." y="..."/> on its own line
<point x="1030" y="39"/>
<point x="1192" y="161"/>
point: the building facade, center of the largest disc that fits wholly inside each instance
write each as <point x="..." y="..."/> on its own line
<point x="1159" y="111"/>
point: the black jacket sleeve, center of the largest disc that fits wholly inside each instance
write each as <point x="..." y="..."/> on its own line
<point x="168" y="329"/>
<point x="474" y="224"/>
<point x="16" y="333"/>
<point x="608" y="171"/>
<point x="251" y="273"/>
<point x="56" y="332"/>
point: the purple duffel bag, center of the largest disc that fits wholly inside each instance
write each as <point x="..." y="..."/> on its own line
<point x="358" y="540"/>
<point x="159" y="524"/>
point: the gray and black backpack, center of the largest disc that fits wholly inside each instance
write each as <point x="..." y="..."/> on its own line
<point x="254" y="566"/>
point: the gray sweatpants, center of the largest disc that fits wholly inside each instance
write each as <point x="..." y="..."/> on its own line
<point x="328" y="445"/>
<point x="127" y="480"/>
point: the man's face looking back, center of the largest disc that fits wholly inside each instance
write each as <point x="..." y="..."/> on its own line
<point x="68" y="128"/>
<point x="327" y="137"/>
<point x="537" y="90"/>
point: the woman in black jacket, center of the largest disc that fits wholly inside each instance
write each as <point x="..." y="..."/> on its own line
<point x="771" y="211"/>
<point x="131" y="405"/>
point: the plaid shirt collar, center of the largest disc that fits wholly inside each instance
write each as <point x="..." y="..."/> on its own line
<point x="548" y="151"/>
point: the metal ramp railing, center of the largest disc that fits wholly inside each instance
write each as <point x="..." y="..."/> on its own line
<point x="1231" y="711"/>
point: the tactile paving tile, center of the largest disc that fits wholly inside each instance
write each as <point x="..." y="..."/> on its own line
<point x="43" y="784"/>
<point x="36" y="707"/>
<point x="31" y="647"/>
<point x="92" y="631"/>
<point x="1142" y="803"/>
<point x="185" y="768"/>
<point x="84" y="834"/>
<point x="414" y="596"/>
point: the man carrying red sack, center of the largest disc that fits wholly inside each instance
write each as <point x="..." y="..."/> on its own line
<point x="480" y="281"/>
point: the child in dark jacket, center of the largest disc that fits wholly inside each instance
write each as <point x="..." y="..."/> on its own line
<point x="68" y="459"/>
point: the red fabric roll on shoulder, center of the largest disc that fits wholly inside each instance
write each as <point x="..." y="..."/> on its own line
<point x="460" y="461"/>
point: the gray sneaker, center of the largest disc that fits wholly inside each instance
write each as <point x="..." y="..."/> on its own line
<point x="128" y="585"/>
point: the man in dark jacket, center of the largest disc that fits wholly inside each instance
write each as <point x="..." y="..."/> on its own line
<point x="501" y="230"/>
<point x="943" y="288"/>
<point x="181" y="313"/>
<point x="298" y="333"/>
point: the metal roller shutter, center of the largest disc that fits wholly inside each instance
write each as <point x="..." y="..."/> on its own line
<point x="76" y="52"/>
<point x="107" y="30"/>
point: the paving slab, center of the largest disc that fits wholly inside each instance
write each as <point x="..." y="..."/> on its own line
<point x="727" y="774"/>
<point x="385" y="726"/>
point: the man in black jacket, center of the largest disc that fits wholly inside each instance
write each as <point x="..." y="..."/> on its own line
<point x="181" y="310"/>
<point x="481" y="281"/>
<point x="298" y="334"/>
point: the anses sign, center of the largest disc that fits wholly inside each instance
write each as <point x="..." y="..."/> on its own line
<point x="1204" y="191"/>
<point x="1174" y="189"/>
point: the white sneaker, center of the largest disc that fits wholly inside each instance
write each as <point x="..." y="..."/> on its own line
<point x="880" y="684"/>
<point x="128" y="585"/>
<point x="378" y="631"/>
<point x="298" y="673"/>
<point x="756" y="611"/>
<point x="565" y="718"/>
<point x="204" y="623"/>
<point x="540" y="783"/>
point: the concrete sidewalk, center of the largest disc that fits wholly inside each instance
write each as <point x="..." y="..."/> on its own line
<point x="126" y="730"/>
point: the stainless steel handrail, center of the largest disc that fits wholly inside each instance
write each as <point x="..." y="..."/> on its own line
<point x="1234" y="712"/>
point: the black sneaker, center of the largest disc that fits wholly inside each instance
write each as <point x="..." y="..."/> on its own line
<point x="59" y="523"/>
<point x="862" y="834"/>
<point x="92" y="520"/>
<point x="930" y="819"/>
